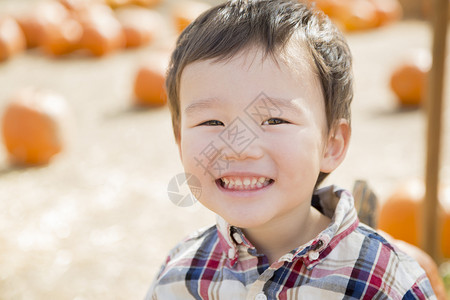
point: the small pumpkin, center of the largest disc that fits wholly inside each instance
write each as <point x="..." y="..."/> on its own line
<point x="401" y="214"/>
<point x="102" y="32"/>
<point x="387" y="11"/>
<point x="409" y="78"/>
<point x="78" y="5"/>
<point x="149" y="83"/>
<point x="146" y="3"/>
<point x="33" y="126"/>
<point x="186" y="12"/>
<point x="356" y="15"/>
<point x="140" y="25"/>
<point x="12" y="39"/>
<point x="64" y="39"/>
<point x="329" y="7"/>
<point x="44" y="18"/>
<point x="118" y="3"/>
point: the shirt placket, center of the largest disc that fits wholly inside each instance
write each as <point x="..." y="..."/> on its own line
<point x="309" y="255"/>
<point x="256" y="290"/>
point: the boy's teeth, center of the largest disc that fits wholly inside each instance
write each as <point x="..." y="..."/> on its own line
<point x="245" y="183"/>
<point x="231" y="184"/>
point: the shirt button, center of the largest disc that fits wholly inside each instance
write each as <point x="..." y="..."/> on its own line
<point x="261" y="296"/>
<point x="313" y="255"/>
<point x="237" y="238"/>
<point x="231" y="253"/>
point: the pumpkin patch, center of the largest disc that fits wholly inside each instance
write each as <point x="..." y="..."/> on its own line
<point x="357" y="15"/>
<point x="79" y="225"/>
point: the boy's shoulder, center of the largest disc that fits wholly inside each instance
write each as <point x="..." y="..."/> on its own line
<point x="180" y="261"/>
<point x="189" y="247"/>
<point x="197" y="245"/>
<point x="385" y="264"/>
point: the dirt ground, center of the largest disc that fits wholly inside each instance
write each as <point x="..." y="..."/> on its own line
<point x="97" y="222"/>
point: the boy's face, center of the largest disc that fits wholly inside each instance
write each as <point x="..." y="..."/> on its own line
<point x="254" y="133"/>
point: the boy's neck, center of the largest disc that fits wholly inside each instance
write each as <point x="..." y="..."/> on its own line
<point x="283" y="235"/>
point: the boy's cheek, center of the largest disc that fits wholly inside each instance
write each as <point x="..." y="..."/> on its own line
<point x="204" y="162"/>
<point x="193" y="156"/>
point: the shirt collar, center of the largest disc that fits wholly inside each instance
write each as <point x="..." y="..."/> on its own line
<point x="331" y="201"/>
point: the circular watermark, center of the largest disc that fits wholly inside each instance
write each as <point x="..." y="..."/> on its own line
<point x="184" y="189"/>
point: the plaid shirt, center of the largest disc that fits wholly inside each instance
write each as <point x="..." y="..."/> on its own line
<point x="347" y="260"/>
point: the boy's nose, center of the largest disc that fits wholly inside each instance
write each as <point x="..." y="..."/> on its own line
<point x="251" y="149"/>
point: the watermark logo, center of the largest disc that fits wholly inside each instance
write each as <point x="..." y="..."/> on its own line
<point x="211" y="159"/>
<point x="184" y="189"/>
<point x="262" y="109"/>
<point x="238" y="136"/>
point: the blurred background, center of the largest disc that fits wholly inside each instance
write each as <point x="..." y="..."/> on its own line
<point x="87" y="148"/>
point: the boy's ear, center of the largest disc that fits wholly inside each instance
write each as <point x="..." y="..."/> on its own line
<point x="336" y="147"/>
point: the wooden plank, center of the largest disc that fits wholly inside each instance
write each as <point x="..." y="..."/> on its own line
<point x="430" y="242"/>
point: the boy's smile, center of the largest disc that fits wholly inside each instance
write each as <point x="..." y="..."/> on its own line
<point x="268" y="173"/>
<point x="248" y="182"/>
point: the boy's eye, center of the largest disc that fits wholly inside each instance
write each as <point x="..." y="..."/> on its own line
<point x="274" y="121"/>
<point x="211" y="123"/>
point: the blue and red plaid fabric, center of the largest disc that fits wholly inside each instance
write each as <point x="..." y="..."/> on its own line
<point x="347" y="260"/>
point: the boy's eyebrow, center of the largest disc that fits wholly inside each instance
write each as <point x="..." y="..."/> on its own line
<point x="280" y="104"/>
<point x="200" y="104"/>
<point x="287" y="104"/>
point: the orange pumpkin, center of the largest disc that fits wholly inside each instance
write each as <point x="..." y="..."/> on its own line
<point x="118" y="3"/>
<point x="140" y="25"/>
<point x="12" y="39"/>
<point x="401" y="214"/>
<point x="102" y="32"/>
<point x="424" y="260"/>
<point x="149" y="84"/>
<point x="387" y="11"/>
<point x="329" y="7"/>
<point x="78" y="5"/>
<point x="146" y="3"/>
<point x="32" y="126"/>
<point x="408" y="80"/>
<point x="122" y="3"/>
<point x="45" y="17"/>
<point x="356" y="15"/>
<point x="63" y="39"/>
<point x="186" y="12"/>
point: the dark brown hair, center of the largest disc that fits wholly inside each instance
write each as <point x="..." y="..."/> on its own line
<point x="223" y="31"/>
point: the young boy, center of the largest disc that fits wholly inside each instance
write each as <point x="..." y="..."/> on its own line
<point x="260" y="94"/>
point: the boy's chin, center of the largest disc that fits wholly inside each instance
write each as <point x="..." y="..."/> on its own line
<point x="246" y="222"/>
